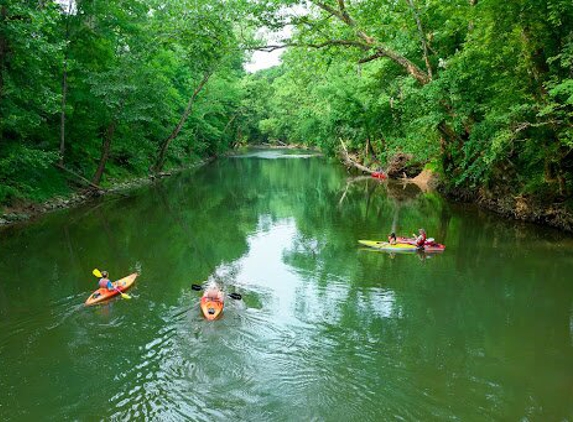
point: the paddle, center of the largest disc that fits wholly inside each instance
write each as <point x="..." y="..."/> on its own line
<point x="98" y="274"/>
<point x="235" y="296"/>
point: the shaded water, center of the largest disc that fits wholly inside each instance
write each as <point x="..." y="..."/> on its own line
<point x="325" y="331"/>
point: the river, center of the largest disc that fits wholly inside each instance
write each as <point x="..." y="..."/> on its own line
<point x="326" y="330"/>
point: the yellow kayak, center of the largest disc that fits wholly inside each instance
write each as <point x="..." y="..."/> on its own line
<point x="385" y="246"/>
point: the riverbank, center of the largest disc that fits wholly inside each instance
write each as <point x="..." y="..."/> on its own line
<point x="24" y="211"/>
<point x="499" y="200"/>
<point x="28" y="210"/>
<point x="521" y="208"/>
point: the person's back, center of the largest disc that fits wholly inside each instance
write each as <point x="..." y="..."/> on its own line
<point x="104" y="282"/>
<point x="214" y="293"/>
<point x="392" y="239"/>
<point x="421" y="239"/>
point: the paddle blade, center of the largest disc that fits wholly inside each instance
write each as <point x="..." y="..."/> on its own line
<point x="196" y="287"/>
<point x="235" y="296"/>
<point x="97" y="273"/>
<point x="123" y="295"/>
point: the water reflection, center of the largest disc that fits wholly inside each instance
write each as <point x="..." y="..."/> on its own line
<point x="324" y="331"/>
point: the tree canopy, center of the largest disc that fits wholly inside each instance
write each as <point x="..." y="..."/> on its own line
<point x="478" y="90"/>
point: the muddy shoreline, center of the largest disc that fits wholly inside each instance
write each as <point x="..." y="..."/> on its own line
<point x="520" y="208"/>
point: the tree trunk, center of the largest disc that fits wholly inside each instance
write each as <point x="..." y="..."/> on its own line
<point x="105" y="148"/>
<point x="447" y="135"/>
<point x="165" y="144"/>
<point x="367" y="149"/>
<point x="422" y="38"/>
<point x="369" y="152"/>
<point x="63" y="111"/>
<point x="79" y="177"/>
<point x="3" y="47"/>
<point x="349" y="162"/>
<point x="65" y="87"/>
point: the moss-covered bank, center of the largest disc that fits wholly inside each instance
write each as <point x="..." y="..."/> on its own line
<point x="27" y="210"/>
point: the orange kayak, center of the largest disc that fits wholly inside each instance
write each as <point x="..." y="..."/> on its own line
<point x="212" y="308"/>
<point x="103" y="294"/>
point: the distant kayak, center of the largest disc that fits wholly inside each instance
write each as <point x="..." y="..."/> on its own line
<point x="385" y="246"/>
<point x="429" y="245"/>
<point x="401" y="246"/>
<point x="102" y="294"/>
<point x="379" y="175"/>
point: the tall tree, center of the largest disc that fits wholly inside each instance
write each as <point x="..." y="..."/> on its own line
<point x="205" y="34"/>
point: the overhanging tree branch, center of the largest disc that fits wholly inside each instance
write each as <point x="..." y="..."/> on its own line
<point x="328" y="43"/>
<point x="380" y="50"/>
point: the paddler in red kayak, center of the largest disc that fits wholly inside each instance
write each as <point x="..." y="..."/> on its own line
<point x="421" y="239"/>
<point x="104" y="281"/>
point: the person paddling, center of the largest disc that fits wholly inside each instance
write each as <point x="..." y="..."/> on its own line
<point x="421" y="239"/>
<point x="214" y="293"/>
<point x="104" y="281"/>
<point x="392" y="239"/>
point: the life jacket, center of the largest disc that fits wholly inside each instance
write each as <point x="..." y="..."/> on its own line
<point x="214" y="295"/>
<point x="103" y="283"/>
<point x="421" y="240"/>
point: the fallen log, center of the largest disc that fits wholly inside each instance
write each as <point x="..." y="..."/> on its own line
<point x="73" y="173"/>
<point x="349" y="162"/>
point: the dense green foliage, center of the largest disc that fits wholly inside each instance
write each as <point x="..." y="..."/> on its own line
<point x="112" y="79"/>
<point x="481" y="89"/>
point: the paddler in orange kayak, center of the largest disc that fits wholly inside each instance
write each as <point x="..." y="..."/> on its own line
<point x="104" y="281"/>
<point x="212" y="302"/>
<point x="214" y="293"/>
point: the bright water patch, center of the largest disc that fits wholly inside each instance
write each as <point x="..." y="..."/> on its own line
<point x="274" y="154"/>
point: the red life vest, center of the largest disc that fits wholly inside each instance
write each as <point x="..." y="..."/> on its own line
<point x="421" y="240"/>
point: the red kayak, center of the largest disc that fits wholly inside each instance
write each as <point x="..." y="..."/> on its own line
<point x="429" y="245"/>
<point x="379" y="175"/>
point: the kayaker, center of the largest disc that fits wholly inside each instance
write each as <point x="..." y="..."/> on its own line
<point x="214" y="293"/>
<point x="392" y="239"/>
<point x="421" y="239"/>
<point x="104" y="281"/>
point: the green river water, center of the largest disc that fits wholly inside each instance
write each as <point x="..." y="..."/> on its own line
<point x="326" y="330"/>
